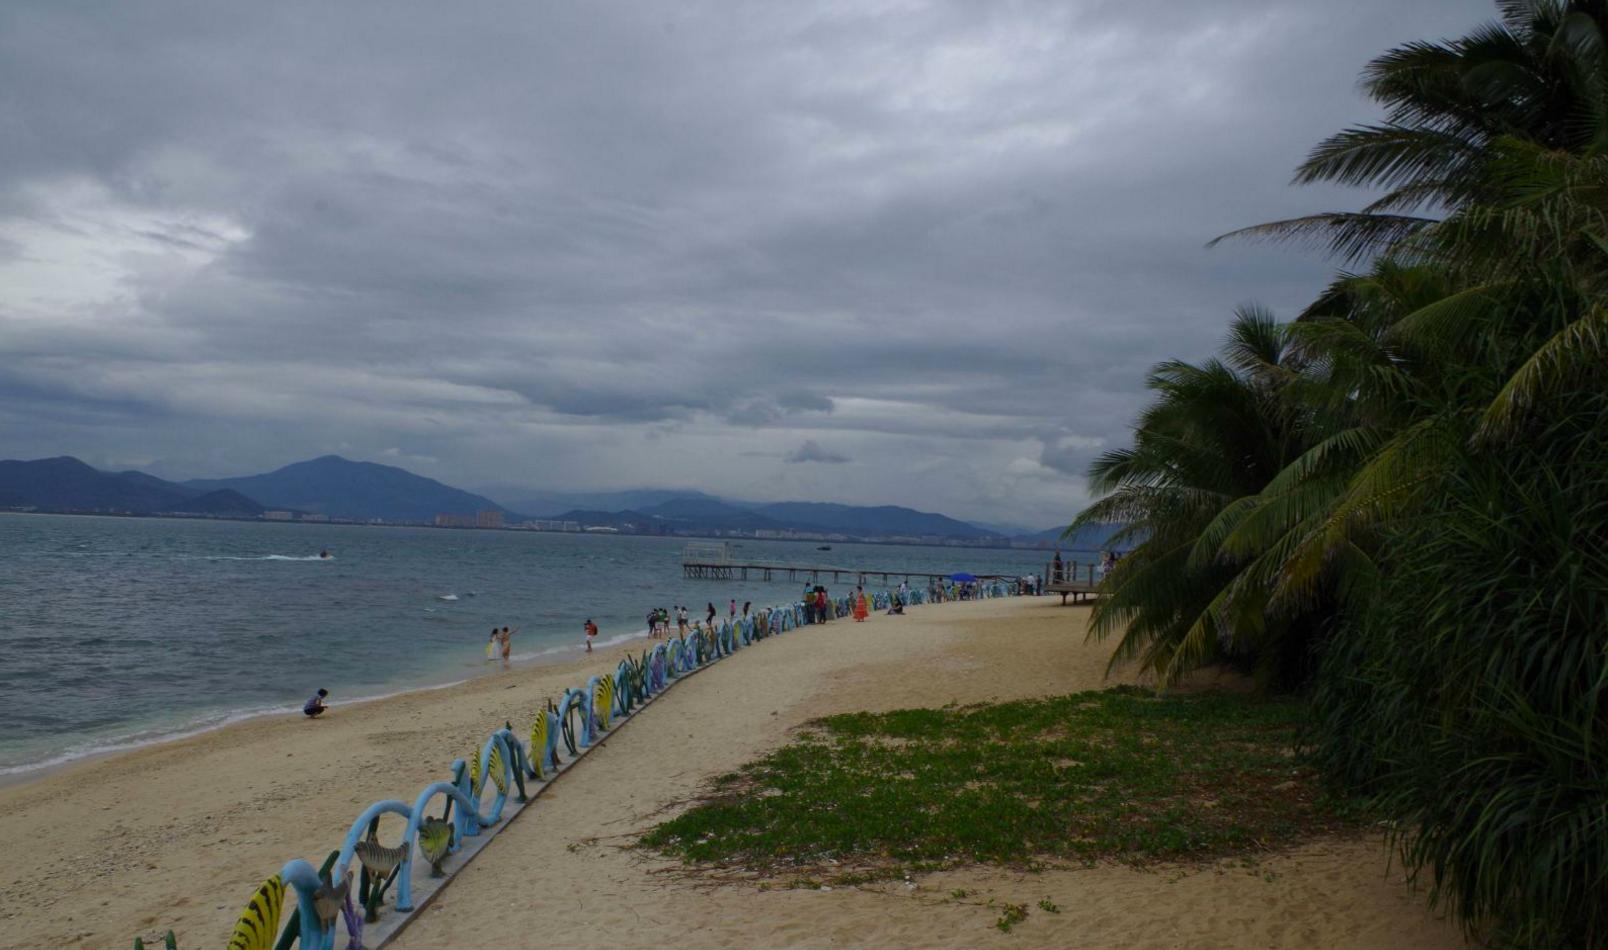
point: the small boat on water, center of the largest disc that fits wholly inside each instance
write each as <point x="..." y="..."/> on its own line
<point x="824" y="547"/>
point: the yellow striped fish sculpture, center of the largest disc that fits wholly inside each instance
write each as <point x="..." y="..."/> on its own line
<point x="377" y="858"/>
<point x="603" y="702"/>
<point x="538" y="745"/>
<point x="494" y="765"/>
<point x="259" y="922"/>
<point x="472" y="763"/>
<point x="435" y="839"/>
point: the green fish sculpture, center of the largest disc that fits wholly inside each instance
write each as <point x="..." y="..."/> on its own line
<point x="435" y="838"/>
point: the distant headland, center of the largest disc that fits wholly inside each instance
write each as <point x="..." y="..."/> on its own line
<point x="332" y="489"/>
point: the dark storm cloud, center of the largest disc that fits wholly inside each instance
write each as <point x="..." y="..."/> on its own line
<point x="555" y="242"/>
<point x="811" y="451"/>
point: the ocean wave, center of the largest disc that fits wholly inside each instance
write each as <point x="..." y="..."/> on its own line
<point x="251" y="557"/>
<point x="580" y="647"/>
<point x="448" y="597"/>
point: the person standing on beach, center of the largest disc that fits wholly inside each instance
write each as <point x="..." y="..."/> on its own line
<point x="733" y="614"/>
<point x="591" y="632"/>
<point x="506" y="639"/>
<point x="315" y="705"/>
<point x="681" y="620"/>
<point x="746" y="604"/>
<point x="709" y="621"/>
<point x="1055" y="568"/>
<point x="860" y="610"/>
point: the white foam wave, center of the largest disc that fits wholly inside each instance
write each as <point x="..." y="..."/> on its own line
<point x="580" y="647"/>
<point x="446" y="597"/>
<point x="251" y="557"/>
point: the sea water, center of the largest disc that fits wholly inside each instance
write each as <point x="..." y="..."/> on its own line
<point x="117" y="632"/>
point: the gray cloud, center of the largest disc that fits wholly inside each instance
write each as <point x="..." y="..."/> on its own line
<point x="542" y="242"/>
<point x="811" y="451"/>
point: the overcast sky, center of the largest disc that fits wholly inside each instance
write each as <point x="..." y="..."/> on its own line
<point x="876" y="251"/>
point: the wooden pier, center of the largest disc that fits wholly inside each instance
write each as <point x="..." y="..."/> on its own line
<point x="1078" y="584"/>
<point x="725" y="571"/>
<point x="714" y="562"/>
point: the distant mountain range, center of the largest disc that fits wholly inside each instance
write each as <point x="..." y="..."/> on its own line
<point x="341" y="489"/>
<point x="66" y="484"/>
<point x="545" y="504"/>
<point x="698" y="514"/>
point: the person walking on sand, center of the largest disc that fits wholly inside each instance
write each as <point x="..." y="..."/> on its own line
<point x="315" y="705"/>
<point x="860" y="610"/>
<point x="591" y="632"/>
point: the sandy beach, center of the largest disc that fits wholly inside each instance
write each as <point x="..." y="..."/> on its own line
<point x="178" y="835"/>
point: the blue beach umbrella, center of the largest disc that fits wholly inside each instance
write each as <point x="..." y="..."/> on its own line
<point x="963" y="577"/>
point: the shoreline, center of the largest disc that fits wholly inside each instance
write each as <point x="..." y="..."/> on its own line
<point x="21" y="774"/>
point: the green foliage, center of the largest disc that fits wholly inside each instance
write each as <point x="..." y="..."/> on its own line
<point x="1114" y="774"/>
<point x="1469" y="699"/>
<point x="1010" y="916"/>
<point x="1434" y="553"/>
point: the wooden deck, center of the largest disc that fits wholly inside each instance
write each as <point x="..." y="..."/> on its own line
<point x="713" y="561"/>
<point x="1079" y="582"/>
<point x="730" y="570"/>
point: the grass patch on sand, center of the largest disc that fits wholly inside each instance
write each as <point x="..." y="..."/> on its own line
<point x="1115" y="774"/>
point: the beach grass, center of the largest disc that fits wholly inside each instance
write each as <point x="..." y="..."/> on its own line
<point x="1115" y="774"/>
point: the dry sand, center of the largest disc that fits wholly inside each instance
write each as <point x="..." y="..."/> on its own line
<point x="178" y="835"/>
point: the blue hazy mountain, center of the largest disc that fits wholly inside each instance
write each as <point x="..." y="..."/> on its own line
<point x="862" y="521"/>
<point x="546" y="504"/>
<point x="713" y="514"/>
<point x="151" y="481"/>
<point x="67" y="484"/>
<point x="341" y="488"/>
<point x="223" y="502"/>
<point x="1092" y="537"/>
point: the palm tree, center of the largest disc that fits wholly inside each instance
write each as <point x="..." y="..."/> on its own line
<point x="1538" y="76"/>
<point x="1215" y="435"/>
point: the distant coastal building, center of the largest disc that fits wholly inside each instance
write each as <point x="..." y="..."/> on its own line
<point x="276" y="516"/>
<point x="318" y="518"/>
<point x="541" y="525"/>
<point x="481" y="519"/>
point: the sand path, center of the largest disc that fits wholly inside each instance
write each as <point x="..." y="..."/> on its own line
<point x="180" y="834"/>
<point x="565" y="875"/>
